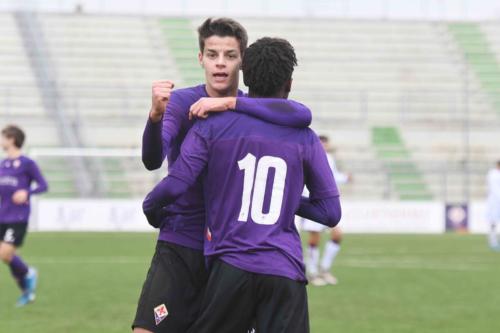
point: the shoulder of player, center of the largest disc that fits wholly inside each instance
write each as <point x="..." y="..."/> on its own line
<point x="215" y="123"/>
<point x="310" y="136"/>
<point x="27" y="161"/>
<point x="214" y="120"/>
<point x="189" y="94"/>
<point x="308" y="140"/>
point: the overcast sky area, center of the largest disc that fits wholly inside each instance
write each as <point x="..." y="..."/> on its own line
<point x="370" y="9"/>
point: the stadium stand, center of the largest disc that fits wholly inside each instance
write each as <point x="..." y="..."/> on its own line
<point x="480" y="56"/>
<point x="406" y="104"/>
<point x="105" y="66"/>
<point x="21" y="103"/>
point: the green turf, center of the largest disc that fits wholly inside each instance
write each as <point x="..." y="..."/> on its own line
<point x="90" y="282"/>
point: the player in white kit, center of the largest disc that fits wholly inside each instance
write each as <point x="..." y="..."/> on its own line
<point x="493" y="205"/>
<point x="318" y="271"/>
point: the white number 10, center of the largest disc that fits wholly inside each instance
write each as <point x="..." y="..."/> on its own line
<point x="258" y="182"/>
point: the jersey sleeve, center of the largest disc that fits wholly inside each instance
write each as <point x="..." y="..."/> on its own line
<point x="158" y="137"/>
<point x="325" y="211"/>
<point x="193" y="156"/>
<point x="278" y="111"/>
<point x="37" y="177"/>
<point x="152" y="146"/>
<point x="319" y="177"/>
<point x="173" y="120"/>
<point x="183" y="174"/>
<point x="323" y="204"/>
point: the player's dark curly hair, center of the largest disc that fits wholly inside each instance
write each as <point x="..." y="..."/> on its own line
<point x="222" y="27"/>
<point x="14" y="132"/>
<point x="267" y="66"/>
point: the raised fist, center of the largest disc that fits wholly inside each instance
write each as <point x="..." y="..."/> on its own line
<point x="160" y="94"/>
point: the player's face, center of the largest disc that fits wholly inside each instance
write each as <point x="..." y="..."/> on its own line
<point x="6" y="142"/>
<point x="326" y="145"/>
<point x="221" y="60"/>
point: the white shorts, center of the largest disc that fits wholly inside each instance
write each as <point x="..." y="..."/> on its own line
<point x="493" y="213"/>
<point x="308" y="225"/>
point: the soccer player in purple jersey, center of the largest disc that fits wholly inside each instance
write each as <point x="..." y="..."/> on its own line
<point x="253" y="175"/>
<point x="172" y="292"/>
<point x="17" y="173"/>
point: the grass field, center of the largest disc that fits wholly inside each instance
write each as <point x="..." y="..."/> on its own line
<point x="89" y="282"/>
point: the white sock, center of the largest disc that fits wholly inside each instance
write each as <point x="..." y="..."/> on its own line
<point x="312" y="260"/>
<point x="492" y="237"/>
<point x="329" y="255"/>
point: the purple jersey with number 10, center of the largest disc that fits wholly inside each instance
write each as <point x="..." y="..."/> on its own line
<point x="184" y="220"/>
<point x="254" y="176"/>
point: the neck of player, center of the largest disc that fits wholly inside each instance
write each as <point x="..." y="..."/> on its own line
<point x="232" y="91"/>
<point x="277" y="95"/>
<point x="13" y="152"/>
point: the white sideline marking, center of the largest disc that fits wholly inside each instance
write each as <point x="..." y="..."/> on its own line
<point x="90" y="260"/>
<point x="353" y="263"/>
<point x="408" y="264"/>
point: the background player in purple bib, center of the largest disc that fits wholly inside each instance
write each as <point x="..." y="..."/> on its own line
<point x="254" y="173"/>
<point x="17" y="174"/>
<point x="171" y="294"/>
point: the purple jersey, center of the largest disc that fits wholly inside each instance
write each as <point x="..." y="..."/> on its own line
<point x="18" y="174"/>
<point x="185" y="218"/>
<point x="254" y="174"/>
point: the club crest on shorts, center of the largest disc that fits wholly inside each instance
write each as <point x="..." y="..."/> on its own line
<point x="209" y="235"/>
<point x="161" y="313"/>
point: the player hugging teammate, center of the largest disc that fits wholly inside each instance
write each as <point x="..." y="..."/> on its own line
<point x="234" y="185"/>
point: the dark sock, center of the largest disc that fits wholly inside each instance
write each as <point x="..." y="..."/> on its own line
<point x="19" y="270"/>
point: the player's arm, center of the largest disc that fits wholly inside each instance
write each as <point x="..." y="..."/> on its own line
<point x="325" y="211"/>
<point x="278" y="111"/>
<point x="153" y="153"/>
<point x="183" y="174"/>
<point x="38" y="178"/>
<point x="21" y="196"/>
<point x="323" y="204"/>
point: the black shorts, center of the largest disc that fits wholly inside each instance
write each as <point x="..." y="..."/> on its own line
<point x="171" y="295"/>
<point x="234" y="298"/>
<point x="13" y="233"/>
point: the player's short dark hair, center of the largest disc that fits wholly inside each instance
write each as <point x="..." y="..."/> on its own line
<point x="222" y="27"/>
<point x="267" y="65"/>
<point x="14" y="132"/>
<point x="323" y="138"/>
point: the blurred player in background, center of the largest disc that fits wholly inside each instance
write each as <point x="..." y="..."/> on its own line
<point x="169" y="301"/>
<point x="493" y="205"/>
<point x="254" y="174"/>
<point x="17" y="174"/>
<point x="319" y="271"/>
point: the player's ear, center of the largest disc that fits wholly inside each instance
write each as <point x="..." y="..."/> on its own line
<point x="200" y="58"/>
<point x="288" y="86"/>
